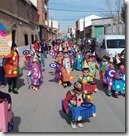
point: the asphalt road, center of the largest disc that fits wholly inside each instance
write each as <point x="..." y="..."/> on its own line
<point x="40" y="111"/>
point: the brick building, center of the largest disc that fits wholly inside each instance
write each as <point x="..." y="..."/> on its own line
<point x="20" y="17"/>
<point x="43" y="20"/>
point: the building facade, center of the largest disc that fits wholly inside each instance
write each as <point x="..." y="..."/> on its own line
<point x="83" y="23"/>
<point x="108" y="26"/>
<point x="20" y="17"/>
<point x="43" y="20"/>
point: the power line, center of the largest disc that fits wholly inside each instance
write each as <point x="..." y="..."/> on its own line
<point x="69" y="10"/>
<point x="64" y="19"/>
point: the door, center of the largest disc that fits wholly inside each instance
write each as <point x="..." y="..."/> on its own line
<point x="99" y="30"/>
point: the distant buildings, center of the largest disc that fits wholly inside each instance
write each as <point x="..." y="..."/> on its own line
<point x="93" y="26"/>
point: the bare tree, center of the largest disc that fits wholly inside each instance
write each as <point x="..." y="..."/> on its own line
<point x="113" y="7"/>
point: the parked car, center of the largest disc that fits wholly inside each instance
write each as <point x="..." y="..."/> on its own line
<point x="109" y="45"/>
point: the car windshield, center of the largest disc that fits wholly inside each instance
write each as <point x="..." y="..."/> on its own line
<point x="116" y="43"/>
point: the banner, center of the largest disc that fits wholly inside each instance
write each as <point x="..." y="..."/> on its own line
<point x="5" y="41"/>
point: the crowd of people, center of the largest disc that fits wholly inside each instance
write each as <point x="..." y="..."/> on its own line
<point x="68" y="56"/>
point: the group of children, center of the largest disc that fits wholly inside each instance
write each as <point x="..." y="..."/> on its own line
<point x="69" y="58"/>
<point x="112" y="75"/>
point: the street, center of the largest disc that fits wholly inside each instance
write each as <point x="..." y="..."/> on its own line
<point x="40" y="111"/>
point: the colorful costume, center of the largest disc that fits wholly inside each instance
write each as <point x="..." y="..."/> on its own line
<point x="78" y="62"/>
<point x="108" y="78"/>
<point x="92" y="66"/>
<point x="12" y="65"/>
<point x="85" y="81"/>
<point x="41" y="59"/>
<point x="35" y="76"/>
<point x="118" y="84"/>
<point x="66" y="70"/>
<point x="102" y="70"/>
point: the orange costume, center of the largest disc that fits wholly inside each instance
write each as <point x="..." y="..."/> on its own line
<point x="12" y="65"/>
<point x="66" y="70"/>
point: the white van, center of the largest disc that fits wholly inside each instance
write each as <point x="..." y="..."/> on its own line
<point x="109" y="45"/>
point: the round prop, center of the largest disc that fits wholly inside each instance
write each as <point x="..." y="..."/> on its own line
<point x="51" y="53"/>
<point x="26" y="52"/>
<point x="110" y="73"/>
<point x="52" y="65"/>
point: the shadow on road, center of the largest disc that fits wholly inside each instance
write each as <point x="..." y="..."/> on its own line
<point x="20" y="83"/>
<point x="100" y="85"/>
<point x="52" y="80"/>
<point x="64" y="116"/>
<point x="17" y="121"/>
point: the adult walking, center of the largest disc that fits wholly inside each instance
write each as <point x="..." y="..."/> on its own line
<point x="12" y="69"/>
<point x="44" y="47"/>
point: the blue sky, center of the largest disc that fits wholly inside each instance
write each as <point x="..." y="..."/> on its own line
<point x="80" y="5"/>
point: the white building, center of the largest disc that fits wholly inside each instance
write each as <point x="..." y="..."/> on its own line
<point x="86" y="21"/>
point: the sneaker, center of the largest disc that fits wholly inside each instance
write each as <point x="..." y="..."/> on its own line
<point x="65" y="85"/>
<point x="80" y="125"/>
<point x="108" y="93"/>
<point x="15" y="91"/>
<point x="116" y="95"/>
<point x="73" y="125"/>
<point x="69" y="84"/>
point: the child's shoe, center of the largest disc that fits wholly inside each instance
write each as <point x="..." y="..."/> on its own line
<point x="116" y="94"/>
<point x="73" y="125"/>
<point x="65" y="85"/>
<point x="9" y="89"/>
<point x="15" y="91"/>
<point x="80" y="125"/>
<point x="108" y="93"/>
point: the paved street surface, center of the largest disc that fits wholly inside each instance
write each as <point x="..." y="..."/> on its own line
<point x="40" y="111"/>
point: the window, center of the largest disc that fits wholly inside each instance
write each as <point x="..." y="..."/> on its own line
<point x="32" y="38"/>
<point x="116" y="43"/>
<point x="26" y="39"/>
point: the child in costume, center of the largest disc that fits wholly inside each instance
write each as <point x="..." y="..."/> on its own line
<point x="84" y="79"/>
<point x="102" y="67"/>
<point x="118" y="84"/>
<point x="75" y="98"/>
<point x="78" y="60"/>
<point x="108" y="77"/>
<point x="92" y="64"/>
<point x="35" y="74"/>
<point x="41" y="60"/>
<point x="66" y="70"/>
<point x="58" y="75"/>
<point x="12" y="69"/>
